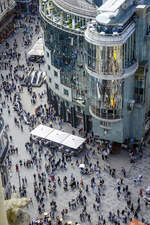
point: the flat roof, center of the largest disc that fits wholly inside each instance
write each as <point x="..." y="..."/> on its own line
<point x="111" y="5"/>
<point x="77" y="7"/>
<point x="58" y="136"/>
<point x="116" y="18"/>
<point x="141" y="6"/>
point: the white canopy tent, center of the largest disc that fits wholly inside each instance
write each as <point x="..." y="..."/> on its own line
<point x="60" y="137"/>
<point x="57" y="136"/>
<point x="73" y="141"/>
<point x="37" y="49"/>
<point x="41" y="131"/>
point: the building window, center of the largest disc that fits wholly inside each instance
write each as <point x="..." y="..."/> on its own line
<point x="55" y="73"/>
<point x="49" y="68"/>
<point x="140" y="85"/>
<point x="50" y="79"/>
<point x="66" y="92"/>
<point x="105" y="124"/>
<point x="56" y="86"/>
<point x="47" y="54"/>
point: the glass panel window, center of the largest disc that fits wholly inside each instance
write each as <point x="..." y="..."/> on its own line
<point x="106" y="99"/>
<point x="66" y="92"/>
<point x="47" y="54"/>
<point x="105" y="124"/>
<point x="55" y="73"/>
<point x="56" y="86"/>
<point x="48" y="67"/>
<point x="140" y="85"/>
<point x="107" y="60"/>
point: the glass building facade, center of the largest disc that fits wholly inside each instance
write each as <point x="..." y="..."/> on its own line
<point x="110" y="60"/>
<point x="97" y="63"/>
<point x="6" y="18"/>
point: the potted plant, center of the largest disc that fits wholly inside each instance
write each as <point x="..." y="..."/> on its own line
<point x="70" y="20"/>
<point x="70" y="25"/>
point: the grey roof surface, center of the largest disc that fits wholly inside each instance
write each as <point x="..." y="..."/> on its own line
<point x="119" y="18"/>
<point x="112" y="13"/>
<point x="112" y="6"/>
<point x="78" y="7"/>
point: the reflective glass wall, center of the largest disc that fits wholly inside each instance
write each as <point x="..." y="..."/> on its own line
<point x="67" y="56"/>
<point x="106" y="98"/>
<point x="113" y="60"/>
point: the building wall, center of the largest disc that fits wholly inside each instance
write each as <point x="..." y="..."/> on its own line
<point x="6" y="18"/>
<point x="6" y="6"/>
<point x="3" y="162"/>
<point x="52" y="80"/>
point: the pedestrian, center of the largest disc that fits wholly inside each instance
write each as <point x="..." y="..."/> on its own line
<point x="118" y="212"/>
<point x="25" y="180"/>
<point x="141" y="192"/>
<point x="89" y="217"/>
<point x="10" y="137"/>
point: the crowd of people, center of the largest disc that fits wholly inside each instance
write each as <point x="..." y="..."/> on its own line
<point x="62" y="193"/>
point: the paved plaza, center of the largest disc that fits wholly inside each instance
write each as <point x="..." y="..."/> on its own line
<point x="110" y="200"/>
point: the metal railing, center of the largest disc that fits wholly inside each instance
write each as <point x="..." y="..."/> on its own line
<point x="82" y="9"/>
<point x="94" y="36"/>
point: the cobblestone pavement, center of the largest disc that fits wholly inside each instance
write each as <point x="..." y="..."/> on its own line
<point x="109" y="200"/>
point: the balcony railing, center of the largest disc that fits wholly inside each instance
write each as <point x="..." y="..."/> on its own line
<point x="109" y="116"/>
<point x="126" y="72"/>
<point x="81" y="8"/>
<point x="104" y="39"/>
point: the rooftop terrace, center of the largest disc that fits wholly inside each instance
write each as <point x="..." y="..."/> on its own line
<point x="77" y="7"/>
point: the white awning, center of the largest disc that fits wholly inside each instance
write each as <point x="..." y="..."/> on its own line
<point x="73" y="141"/>
<point x="41" y="131"/>
<point x="57" y="136"/>
<point x="37" y="49"/>
<point x="60" y="137"/>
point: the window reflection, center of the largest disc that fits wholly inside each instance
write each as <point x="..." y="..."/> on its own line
<point x="105" y="60"/>
<point x="106" y="99"/>
<point x="67" y="56"/>
<point x="111" y="60"/>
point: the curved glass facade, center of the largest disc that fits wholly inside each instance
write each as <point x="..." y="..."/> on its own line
<point x="111" y="60"/>
<point x="65" y="19"/>
<point x="106" y="98"/>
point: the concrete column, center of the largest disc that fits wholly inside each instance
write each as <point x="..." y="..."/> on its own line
<point x="73" y="23"/>
<point x="3" y="217"/>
